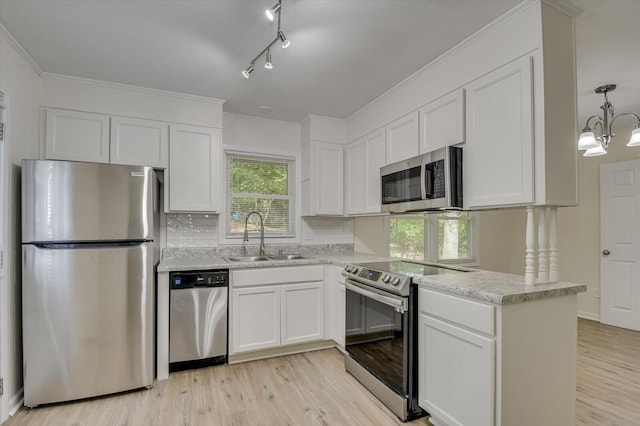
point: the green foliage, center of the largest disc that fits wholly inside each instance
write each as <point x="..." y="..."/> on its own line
<point x="262" y="186"/>
<point x="407" y="238"/>
<point x="256" y="177"/>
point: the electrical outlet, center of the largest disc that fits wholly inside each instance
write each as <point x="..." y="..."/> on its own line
<point x="596" y="293"/>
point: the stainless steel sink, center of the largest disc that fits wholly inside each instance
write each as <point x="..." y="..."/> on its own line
<point x="247" y="258"/>
<point x="263" y="258"/>
<point x="287" y="257"/>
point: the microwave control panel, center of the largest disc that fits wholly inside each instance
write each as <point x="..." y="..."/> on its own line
<point x="435" y="179"/>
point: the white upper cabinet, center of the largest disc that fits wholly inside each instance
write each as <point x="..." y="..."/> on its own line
<point x="322" y="179"/>
<point x="194" y="169"/>
<point x="76" y="136"/>
<point x="402" y="138"/>
<point x="99" y="138"/>
<point x="498" y="155"/>
<point x="139" y="142"/>
<point x="363" y="158"/>
<point x="442" y="122"/>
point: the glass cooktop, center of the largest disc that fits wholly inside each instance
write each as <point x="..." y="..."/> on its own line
<point x="403" y="267"/>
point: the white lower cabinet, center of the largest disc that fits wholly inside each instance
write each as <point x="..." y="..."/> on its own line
<point x="456" y="381"/>
<point x="256" y="318"/>
<point x="302" y="313"/>
<point x="499" y="365"/>
<point x="274" y="307"/>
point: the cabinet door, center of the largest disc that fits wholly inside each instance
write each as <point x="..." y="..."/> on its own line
<point x="302" y="312"/>
<point x="457" y="370"/>
<point x="139" y="142"/>
<point x="79" y="136"/>
<point x="255" y="318"/>
<point x="355" y="176"/>
<point x="328" y="178"/>
<point x="498" y="155"/>
<point x="442" y="122"/>
<point x="374" y="158"/>
<point x="402" y="138"/>
<point x="194" y="169"/>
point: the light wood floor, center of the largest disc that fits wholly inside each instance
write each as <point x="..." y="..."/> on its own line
<point x="314" y="389"/>
<point x="608" y="383"/>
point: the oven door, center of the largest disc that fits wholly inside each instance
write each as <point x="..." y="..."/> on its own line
<point x="376" y="333"/>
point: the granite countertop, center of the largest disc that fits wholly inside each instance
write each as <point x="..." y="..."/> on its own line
<point x="199" y="260"/>
<point x="485" y="286"/>
<point x="496" y="287"/>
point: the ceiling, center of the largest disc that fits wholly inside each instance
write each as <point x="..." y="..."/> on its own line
<point x="343" y="54"/>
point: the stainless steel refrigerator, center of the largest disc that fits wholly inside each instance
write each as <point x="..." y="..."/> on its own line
<point x="88" y="287"/>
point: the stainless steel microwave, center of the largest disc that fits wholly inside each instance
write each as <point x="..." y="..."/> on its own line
<point x="431" y="181"/>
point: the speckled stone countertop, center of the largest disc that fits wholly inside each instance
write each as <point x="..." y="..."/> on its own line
<point x="202" y="259"/>
<point x="485" y="286"/>
<point x="496" y="287"/>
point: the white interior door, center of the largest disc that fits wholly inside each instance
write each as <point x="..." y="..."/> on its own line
<point x="620" y="244"/>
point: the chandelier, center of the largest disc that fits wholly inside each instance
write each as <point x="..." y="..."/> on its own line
<point x="271" y="13"/>
<point x="595" y="140"/>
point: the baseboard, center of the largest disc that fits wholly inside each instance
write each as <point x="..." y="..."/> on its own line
<point x="16" y="402"/>
<point x="589" y="316"/>
<point x="280" y="351"/>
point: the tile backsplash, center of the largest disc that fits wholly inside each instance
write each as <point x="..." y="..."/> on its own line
<point x="192" y="230"/>
<point x="201" y="230"/>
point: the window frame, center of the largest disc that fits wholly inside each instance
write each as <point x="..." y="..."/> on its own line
<point x="228" y="237"/>
<point x="432" y="235"/>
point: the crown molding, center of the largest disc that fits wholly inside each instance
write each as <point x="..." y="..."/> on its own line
<point x="21" y="51"/>
<point x="564" y="6"/>
<point x="508" y="15"/>
<point x="132" y="88"/>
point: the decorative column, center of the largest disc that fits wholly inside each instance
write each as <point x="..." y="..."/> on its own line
<point x="554" y="264"/>
<point x="543" y="247"/>
<point x="530" y="257"/>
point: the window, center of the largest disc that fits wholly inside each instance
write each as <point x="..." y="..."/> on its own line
<point x="439" y="237"/>
<point x="264" y="184"/>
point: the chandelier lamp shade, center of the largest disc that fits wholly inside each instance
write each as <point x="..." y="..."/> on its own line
<point x="271" y="13"/>
<point x="598" y="131"/>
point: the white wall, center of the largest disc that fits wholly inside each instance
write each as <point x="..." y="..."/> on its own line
<point x="579" y="227"/>
<point x="119" y="99"/>
<point x="21" y="85"/>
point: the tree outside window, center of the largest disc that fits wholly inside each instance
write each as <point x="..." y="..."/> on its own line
<point x="440" y="237"/>
<point x="263" y="184"/>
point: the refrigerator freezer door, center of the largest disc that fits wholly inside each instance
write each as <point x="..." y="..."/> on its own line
<point x="74" y="201"/>
<point x="198" y="324"/>
<point x="88" y="317"/>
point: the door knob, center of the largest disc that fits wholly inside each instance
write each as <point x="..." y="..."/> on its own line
<point x="606" y="252"/>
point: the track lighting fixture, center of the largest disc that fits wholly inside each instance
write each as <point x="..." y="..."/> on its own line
<point x="248" y="71"/>
<point x="283" y="39"/>
<point x="271" y="13"/>
<point x="268" y="65"/>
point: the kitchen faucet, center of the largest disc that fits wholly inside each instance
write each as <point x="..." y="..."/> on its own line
<point x="246" y="232"/>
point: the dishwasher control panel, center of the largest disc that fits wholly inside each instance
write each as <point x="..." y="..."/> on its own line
<point x="192" y="279"/>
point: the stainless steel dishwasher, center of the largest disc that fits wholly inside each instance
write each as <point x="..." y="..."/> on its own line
<point x="198" y="319"/>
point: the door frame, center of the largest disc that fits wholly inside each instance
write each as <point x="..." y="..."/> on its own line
<point x="604" y="228"/>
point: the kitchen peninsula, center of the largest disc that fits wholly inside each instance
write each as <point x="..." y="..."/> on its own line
<point x="492" y="350"/>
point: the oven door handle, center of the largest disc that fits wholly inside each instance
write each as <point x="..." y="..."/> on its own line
<point x="399" y="303"/>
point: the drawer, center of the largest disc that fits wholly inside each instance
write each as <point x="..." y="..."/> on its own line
<point x="283" y="275"/>
<point x="468" y="313"/>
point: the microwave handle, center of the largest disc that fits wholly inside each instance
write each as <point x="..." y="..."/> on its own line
<point x="428" y="182"/>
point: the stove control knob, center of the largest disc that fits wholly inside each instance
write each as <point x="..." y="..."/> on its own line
<point x="347" y="268"/>
<point x="395" y="281"/>
<point x="386" y="278"/>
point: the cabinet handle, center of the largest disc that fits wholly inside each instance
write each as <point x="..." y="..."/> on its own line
<point x="606" y="252"/>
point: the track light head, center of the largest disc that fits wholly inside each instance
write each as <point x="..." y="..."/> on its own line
<point x="285" y="43"/>
<point x="248" y="71"/>
<point x="271" y="13"/>
<point x="268" y="65"/>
